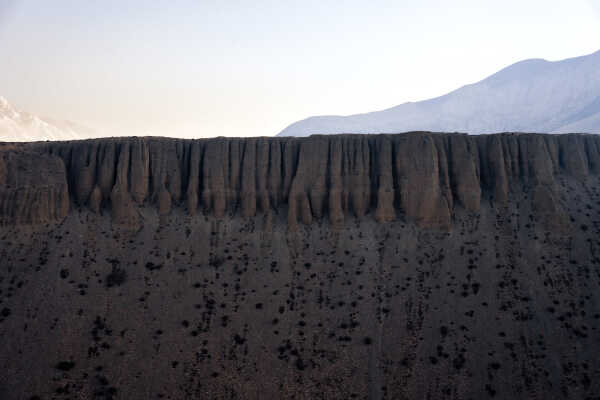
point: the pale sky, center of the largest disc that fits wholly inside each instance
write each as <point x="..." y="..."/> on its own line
<point x="250" y="68"/>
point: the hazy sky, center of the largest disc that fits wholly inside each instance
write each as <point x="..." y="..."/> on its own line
<point x="250" y="68"/>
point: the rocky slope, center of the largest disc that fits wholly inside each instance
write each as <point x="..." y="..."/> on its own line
<point x="377" y="266"/>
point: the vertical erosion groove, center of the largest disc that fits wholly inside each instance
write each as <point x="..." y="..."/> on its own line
<point x="421" y="177"/>
<point x="385" y="210"/>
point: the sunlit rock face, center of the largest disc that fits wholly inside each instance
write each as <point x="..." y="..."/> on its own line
<point x="415" y="265"/>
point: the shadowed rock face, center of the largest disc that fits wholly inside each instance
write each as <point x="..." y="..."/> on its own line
<point x="415" y="265"/>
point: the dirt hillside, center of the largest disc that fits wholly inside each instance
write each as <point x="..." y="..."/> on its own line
<point x="409" y="266"/>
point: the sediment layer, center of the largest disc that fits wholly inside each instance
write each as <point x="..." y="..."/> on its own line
<point x="422" y="177"/>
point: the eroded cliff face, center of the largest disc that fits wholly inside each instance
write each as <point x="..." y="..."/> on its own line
<point x="406" y="266"/>
<point x="33" y="188"/>
<point x="420" y="177"/>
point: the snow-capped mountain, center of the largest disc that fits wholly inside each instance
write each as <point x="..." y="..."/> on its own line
<point x="21" y="126"/>
<point x="530" y="96"/>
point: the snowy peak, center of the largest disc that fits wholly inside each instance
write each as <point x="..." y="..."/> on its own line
<point x="6" y="110"/>
<point x="533" y="95"/>
<point x="21" y="126"/>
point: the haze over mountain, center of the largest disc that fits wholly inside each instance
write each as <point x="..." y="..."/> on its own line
<point x="20" y="126"/>
<point x="533" y="95"/>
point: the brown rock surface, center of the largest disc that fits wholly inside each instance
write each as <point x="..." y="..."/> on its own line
<point x="33" y="188"/>
<point x="419" y="176"/>
<point x="423" y="182"/>
<point x="402" y="266"/>
<point x="95" y="201"/>
<point x="124" y="213"/>
<point x="164" y="202"/>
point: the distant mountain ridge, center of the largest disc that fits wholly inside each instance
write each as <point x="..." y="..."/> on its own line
<point x="20" y="126"/>
<point x="529" y="96"/>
